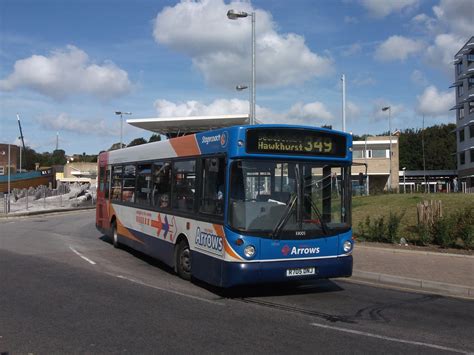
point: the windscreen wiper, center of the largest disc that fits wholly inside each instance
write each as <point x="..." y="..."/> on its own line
<point x="318" y="214"/>
<point x="286" y="215"/>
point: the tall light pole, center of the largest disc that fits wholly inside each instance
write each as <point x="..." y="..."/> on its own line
<point x="389" y="108"/>
<point x="121" y="125"/>
<point x="233" y="15"/>
<point x="343" y="79"/>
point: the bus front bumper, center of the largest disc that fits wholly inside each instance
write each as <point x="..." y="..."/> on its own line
<point x="277" y="271"/>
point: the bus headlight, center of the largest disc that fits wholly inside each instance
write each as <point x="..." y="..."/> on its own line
<point x="249" y="251"/>
<point x="347" y="246"/>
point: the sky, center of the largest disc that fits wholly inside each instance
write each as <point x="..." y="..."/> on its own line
<point x="67" y="66"/>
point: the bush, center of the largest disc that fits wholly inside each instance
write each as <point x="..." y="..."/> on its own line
<point x="464" y="227"/>
<point x="442" y="232"/>
<point x="424" y="236"/>
<point x="393" y="226"/>
<point x="377" y="230"/>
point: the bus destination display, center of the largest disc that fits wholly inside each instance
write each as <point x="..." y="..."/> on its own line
<point x="295" y="141"/>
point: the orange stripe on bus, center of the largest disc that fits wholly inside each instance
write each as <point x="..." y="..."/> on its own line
<point x="228" y="249"/>
<point x="186" y="145"/>
<point x="125" y="232"/>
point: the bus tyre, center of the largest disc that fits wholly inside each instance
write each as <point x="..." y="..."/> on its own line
<point x="183" y="260"/>
<point x="115" y="240"/>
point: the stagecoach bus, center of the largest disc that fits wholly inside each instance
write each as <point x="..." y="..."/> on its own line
<point x="235" y="205"/>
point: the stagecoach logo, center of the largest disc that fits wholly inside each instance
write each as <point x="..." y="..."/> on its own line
<point x="299" y="250"/>
<point x="209" y="241"/>
<point x="221" y="138"/>
<point x="224" y="139"/>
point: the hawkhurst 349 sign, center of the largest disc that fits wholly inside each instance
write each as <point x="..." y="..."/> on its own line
<point x="295" y="142"/>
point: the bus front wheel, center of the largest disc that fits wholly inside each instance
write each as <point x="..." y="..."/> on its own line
<point x="183" y="260"/>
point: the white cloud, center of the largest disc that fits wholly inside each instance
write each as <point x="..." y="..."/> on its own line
<point x="300" y="113"/>
<point x="457" y="16"/>
<point x="67" y="72"/>
<point x="167" y="108"/>
<point x="220" y="48"/>
<point x="63" y="122"/>
<point x="397" y="48"/>
<point x="435" y="103"/>
<point x="382" y="8"/>
<point x="450" y="26"/>
<point x="441" y="53"/>
<point x="311" y="111"/>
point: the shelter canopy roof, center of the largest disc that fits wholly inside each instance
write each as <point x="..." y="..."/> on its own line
<point x="175" y="126"/>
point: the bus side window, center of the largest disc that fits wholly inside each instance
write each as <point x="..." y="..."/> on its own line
<point x="143" y="188"/>
<point x="160" y="195"/>
<point x="128" y="188"/>
<point x="116" y="183"/>
<point x="184" y="185"/>
<point x="213" y="186"/>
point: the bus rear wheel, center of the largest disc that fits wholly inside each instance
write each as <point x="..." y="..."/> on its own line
<point x="115" y="240"/>
<point x="183" y="260"/>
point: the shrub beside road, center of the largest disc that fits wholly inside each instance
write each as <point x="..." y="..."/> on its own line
<point x="389" y="217"/>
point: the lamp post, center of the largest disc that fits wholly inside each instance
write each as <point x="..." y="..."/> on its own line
<point x="389" y="108"/>
<point x="233" y="15"/>
<point x="343" y="79"/>
<point x="121" y="125"/>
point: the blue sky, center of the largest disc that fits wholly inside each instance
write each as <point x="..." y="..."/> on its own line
<point x="67" y="66"/>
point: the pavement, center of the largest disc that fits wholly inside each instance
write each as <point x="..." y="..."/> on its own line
<point x="440" y="273"/>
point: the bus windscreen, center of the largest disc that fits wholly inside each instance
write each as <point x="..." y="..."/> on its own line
<point x="295" y="142"/>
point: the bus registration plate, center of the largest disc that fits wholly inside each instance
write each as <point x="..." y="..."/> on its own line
<point x="300" y="271"/>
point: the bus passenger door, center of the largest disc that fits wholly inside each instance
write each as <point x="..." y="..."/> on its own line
<point x="102" y="218"/>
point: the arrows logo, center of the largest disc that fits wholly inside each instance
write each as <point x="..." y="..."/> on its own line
<point x="168" y="227"/>
<point x="157" y="224"/>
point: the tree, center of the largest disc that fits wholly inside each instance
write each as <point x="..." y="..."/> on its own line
<point x="137" y="141"/>
<point x="440" y="146"/>
<point x="58" y="157"/>
<point x="155" y="138"/>
<point x="116" y="146"/>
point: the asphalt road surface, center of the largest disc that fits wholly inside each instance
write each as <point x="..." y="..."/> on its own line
<point x="65" y="289"/>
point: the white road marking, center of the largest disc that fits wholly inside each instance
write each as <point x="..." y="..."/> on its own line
<point x="82" y="256"/>
<point x="418" y="343"/>
<point x="167" y="290"/>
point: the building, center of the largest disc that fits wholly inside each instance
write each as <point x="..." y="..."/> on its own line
<point x="464" y="86"/>
<point x="79" y="172"/>
<point x="375" y="153"/>
<point x="14" y="156"/>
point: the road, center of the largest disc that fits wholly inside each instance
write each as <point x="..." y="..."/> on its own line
<point x="65" y="289"/>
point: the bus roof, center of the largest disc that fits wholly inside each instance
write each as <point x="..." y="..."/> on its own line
<point x="174" y="126"/>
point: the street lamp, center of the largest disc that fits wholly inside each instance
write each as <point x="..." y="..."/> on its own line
<point x="121" y="125"/>
<point x="233" y="15"/>
<point x="389" y="108"/>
